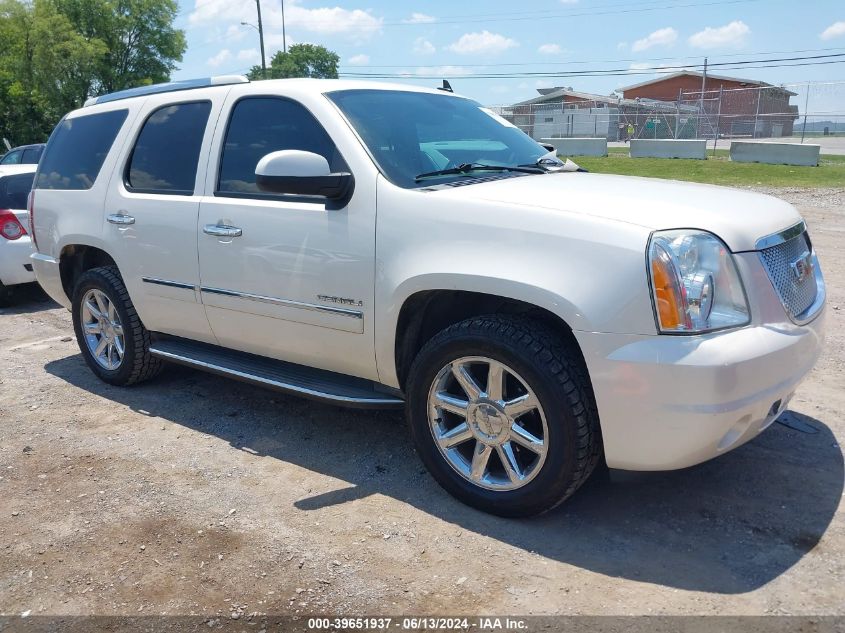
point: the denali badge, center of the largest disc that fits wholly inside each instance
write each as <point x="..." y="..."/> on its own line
<point x="802" y="267"/>
<point x="341" y="300"/>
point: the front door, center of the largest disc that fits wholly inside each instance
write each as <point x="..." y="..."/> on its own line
<point x="288" y="277"/>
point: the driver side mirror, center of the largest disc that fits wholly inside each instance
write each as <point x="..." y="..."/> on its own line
<point x="301" y="173"/>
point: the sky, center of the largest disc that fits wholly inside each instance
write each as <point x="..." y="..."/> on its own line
<point x="468" y="42"/>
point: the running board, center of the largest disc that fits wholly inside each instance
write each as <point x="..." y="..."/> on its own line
<point x="298" y="380"/>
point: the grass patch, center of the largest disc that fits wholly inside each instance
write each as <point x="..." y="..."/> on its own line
<point x="718" y="170"/>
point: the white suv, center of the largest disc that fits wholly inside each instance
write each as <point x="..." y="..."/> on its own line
<point x="374" y="245"/>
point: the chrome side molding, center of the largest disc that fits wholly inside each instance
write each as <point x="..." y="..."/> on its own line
<point x="290" y="303"/>
<point x="167" y="282"/>
<point x="354" y="314"/>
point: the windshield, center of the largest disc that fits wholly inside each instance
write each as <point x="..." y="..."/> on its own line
<point x="416" y="133"/>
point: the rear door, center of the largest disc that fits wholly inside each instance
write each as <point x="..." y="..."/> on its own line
<point x="151" y="210"/>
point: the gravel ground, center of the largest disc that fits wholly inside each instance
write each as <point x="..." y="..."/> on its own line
<point x="193" y="494"/>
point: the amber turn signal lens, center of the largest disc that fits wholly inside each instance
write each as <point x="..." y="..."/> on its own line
<point x="668" y="295"/>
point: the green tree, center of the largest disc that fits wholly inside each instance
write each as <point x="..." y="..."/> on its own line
<point x="301" y="60"/>
<point x="57" y="53"/>
<point x="41" y="63"/>
<point x="142" y="45"/>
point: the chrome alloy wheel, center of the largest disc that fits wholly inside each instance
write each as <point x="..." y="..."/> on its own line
<point x="102" y="329"/>
<point x="487" y="423"/>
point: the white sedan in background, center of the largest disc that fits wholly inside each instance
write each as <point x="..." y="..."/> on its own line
<point x="15" y="243"/>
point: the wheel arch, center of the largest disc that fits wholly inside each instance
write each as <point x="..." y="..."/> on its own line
<point x="425" y="312"/>
<point x="77" y="258"/>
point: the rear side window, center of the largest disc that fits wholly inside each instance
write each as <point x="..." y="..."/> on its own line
<point x="14" y="191"/>
<point x="77" y="149"/>
<point x="165" y="157"/>
<point x="260" y="125"/>
<point x="31" y="155"/>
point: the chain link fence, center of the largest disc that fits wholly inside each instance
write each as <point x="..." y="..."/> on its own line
<point x="805" y="110"/>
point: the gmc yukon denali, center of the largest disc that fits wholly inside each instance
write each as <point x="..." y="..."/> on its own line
<point x="375" y="245"/>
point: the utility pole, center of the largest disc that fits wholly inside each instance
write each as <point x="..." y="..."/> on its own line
<point x="703" y="84"/>
<point x="718" y="119"/>
<point x="284" y="38"/>
<point x="806" y="107"/>
<point x="261" y="37"/>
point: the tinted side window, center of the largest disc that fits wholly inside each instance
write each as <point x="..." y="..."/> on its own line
<point x="14" y="191"/>
<point x="77" y="149"/>
<point x="166" y="154"/>
<point x="31" y="156"/>
<point x="262" y="125"/>
<point x="12" y="158"/>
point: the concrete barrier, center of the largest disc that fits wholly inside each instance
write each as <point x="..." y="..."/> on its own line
<point x="775" y="153"/>
<point x="579" y="146"/>
<point x="668" y="148"/>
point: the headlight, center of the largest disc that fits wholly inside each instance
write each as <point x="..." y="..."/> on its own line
<point x="694" y="283"/>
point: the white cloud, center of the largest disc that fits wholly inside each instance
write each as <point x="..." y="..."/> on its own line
<point x="837" y="29"/>
<point x="249" y="55"/>
<point x="543" y="83"/>
<point x="443" y="71"/>
<point x="220" y="58"/>
<point x="731" y="35"/>
<point x="569" y="1"/>
<point x="236" y="32"/>
<point x="274" y="42"/>
<point x="357" y="24"/>
<point x="420" y="18"/>
<point x="660" y="37"/>
<point x="359" y="60"/>
<point x="550" y="49"/>
<point x="661" y="69"/>
<point x="621" y="46"/>
<point x="423" y="47"/>
<point x="482" y="43"/>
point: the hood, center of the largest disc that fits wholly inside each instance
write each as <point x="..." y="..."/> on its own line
<point x="738" y="217"/>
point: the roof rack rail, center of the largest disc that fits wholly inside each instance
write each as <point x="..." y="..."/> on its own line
<point x="173" y="86"/>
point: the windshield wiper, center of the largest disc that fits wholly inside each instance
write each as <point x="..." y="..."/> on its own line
<point x="466" y="168"/>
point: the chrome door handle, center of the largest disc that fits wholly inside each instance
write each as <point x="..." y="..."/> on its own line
<point x="219" y="230"/>
<point x="120" y="218"/>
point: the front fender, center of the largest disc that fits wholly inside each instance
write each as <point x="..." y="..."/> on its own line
<point x="590" y="272"/>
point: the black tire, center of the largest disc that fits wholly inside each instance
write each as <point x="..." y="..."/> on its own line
<point x="137" y="364"/>
<point x="5" y="296"/>
<point x="554" y="369"/>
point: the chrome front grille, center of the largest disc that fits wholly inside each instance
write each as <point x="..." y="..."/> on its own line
<point x="793" y="281"/>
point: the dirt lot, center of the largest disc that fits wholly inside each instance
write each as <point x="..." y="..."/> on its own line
<point x="197" y="495"/>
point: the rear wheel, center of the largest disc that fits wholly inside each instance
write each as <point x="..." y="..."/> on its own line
<point x="111" y="337"/>
<point x="502" y="415"/>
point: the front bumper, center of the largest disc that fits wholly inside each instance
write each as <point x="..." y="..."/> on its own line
<point x="668" y="402"/>
<point x="15" y="267"/>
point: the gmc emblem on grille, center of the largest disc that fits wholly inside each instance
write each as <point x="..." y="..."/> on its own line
<point x="802" y="267"/>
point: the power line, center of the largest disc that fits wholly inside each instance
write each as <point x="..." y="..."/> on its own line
<point x="812" y="60"/>
<point x="613" y="61"/>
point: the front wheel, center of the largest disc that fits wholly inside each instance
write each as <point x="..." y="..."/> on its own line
<point x="502" y="414"/>
<point x="111" y="337"/>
